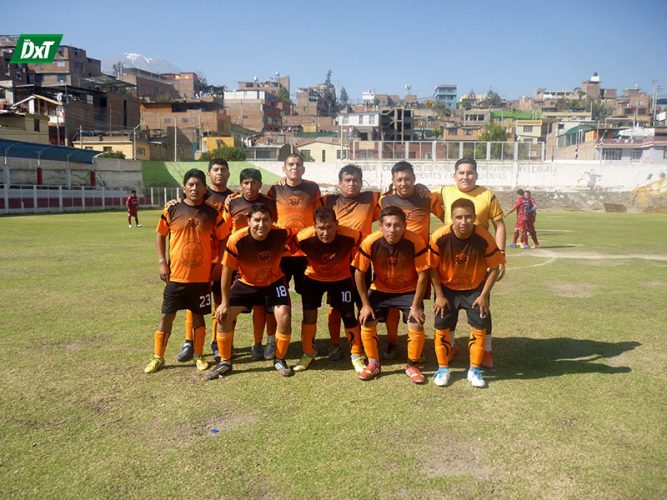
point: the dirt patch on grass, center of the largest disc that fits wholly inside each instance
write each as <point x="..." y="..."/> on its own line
<point x="605" y="263"/>
<point x="573" y="290"/>
<point x="456" y="456"/>
<point x="77" y="345"/>
<point x="228" y="422"/>
<point x="655" y="284"/>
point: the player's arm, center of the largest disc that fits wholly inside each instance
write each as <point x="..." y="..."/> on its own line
<point x="226" y="291"/>
<point x="366" y="312"/>
<point x="507" y="213"/>
<point x="440" y="303"/>
<point x="483" y="300"/>
<point x="501" y="232"/>
<point x="417" y="308"/>
<point x="161" y="247"/>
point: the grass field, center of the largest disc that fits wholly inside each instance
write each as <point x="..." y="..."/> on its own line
<point x="576" y="407"/>
<point x="170" y="174"/>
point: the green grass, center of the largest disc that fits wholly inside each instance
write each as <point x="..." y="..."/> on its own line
<point x="170" y="174"/>
<point x="575" y="407"/>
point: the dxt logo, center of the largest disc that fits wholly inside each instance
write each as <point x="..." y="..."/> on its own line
<point x="36" y="49"/>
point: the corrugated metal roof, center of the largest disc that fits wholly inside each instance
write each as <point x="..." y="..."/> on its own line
<point x="20" y="149"/>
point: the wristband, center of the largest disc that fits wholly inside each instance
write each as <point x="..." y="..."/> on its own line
<point x="502" y="251"/>
<point x="161" y="261"/>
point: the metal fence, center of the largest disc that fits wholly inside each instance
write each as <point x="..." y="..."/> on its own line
<point x="24" y="199"/>
<point x="446" y="150"/>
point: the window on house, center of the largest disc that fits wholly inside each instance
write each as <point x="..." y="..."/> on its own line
<point x="60" y="64"/>
<point x="527" y="129"/>
<point x="611" y="154"/>
<point x="167" y="120"/>
<point x="107" y="148"/>
<point x="635" y="154"/>
<point x="184" y="120"/>
<point x="305" y="153"/>
<point x="36" y="124"/>
<point x="141" y="151"/>
<point x="324" y="155"/>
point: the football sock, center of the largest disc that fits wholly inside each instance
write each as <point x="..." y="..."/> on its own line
<point x="282" y="344"/>
<point x="333" y="321"/>
<point x="308" y="338"/>
<point x="442" y="347"/>
<point x="369" y="337"/>
<point x="258" y="322"/>
<point x="354" y="339"/>
<point x="200" y="338"/>
<point x="516" y="237"/>
<point x="476" y="346"/>
<point x="160" y="343"/>
<point x="415" y="346"/>
<point x="189" y="330"/>
<point x="225" y="341"/>
<point x="393" y="316"/>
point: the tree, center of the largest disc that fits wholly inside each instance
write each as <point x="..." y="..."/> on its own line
<point x="113" y="154"/>
<point x="307" y="156"/>
<point x="327" y="82"/>
<point x="343" y="98"/>
<point x="492" y="100"/>
<point x="283" y="96"/>
<point x="494" y="133"/>
<point x="226" y="153"/>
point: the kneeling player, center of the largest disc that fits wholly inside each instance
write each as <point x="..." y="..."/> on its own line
<point x="464" y="261"/>
<point x="254" y="252"/>
<point x="400" y="265"/>
<point x="329" y="249"/>
<point x="189" y="224"/>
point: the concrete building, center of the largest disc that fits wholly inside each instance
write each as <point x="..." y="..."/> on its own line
<point x="150" y="86"/>
<point x="187" y="85"/>
<point x="320" y="150"/>
<point x="25" y="127"/>
<point x="256" y="110"/>
<point x="71" y="66"/>
<point x="529" y="131"/>
<point x="319" y="100"/>
<point x="364" y="126"/>
<point x="445" y="94"/>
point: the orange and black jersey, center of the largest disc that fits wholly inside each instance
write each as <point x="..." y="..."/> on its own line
<point x="462" y="263"/>
<point x="236" y="209"/>
<point x="190" y="229"/>
<point x="217" y="198"/>
<point x="417" y="210"/>
<point x="395" y="267"/>
<point x="257" y="261"/>
<point x="296" y="204"/>
<point x="357" y="213"/>
<point x="328" y="261"/>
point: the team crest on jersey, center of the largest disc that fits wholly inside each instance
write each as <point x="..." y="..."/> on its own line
<point x="461" y="259"/>
<point x="294" y="201"/>
<point x="328" y="257"/>
<point x="263" y="256"/>
<point x="192" y="222"/>
<point x="392" y="261"/>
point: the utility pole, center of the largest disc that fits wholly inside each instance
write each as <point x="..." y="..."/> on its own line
<point x="175" y="143"/>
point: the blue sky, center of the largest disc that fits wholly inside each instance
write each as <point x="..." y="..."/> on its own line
<point x="511" y="47"/>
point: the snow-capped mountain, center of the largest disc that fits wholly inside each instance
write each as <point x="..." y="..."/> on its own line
<point x="134" y="60"/>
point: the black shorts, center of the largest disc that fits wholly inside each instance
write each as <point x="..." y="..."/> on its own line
<point x="193" y="296"/>
<point x="216" y="290"/>
<point x="463" y="299"/>
<point x="276" y="294"/>
<point x="340" y="294"/>
<point x="381" y="302"/>
<point x="294" y="267"/>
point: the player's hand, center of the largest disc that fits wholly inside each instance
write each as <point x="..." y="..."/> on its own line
<point x="501" y="272"/>
<point x="165" y="272"/>
<point x="171" y="203"/>
<point x="483" y="303"/>
<point x="366" y="314"/>
<point x="417" y="316"/>
<point x="221" y="313"/>
<point x="216" y="272"/>
<point x="422" y="191"/>
<point x="282" y="182"/>
<point x="439" y="306"/>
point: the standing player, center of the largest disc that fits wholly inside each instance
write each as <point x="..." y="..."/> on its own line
<point x="487" y="208"/>
<point x="236" y="212"/>
<point x="132" y="204"/>
<point x="530" y="221"/>
<point x="520" y="218"/>
<point x="218" y="175"/>
<point x="354" y="209"/>
<point x="296" y="200"/>
<point x="255" y="253"/>
<point x="189" y="224"/>
<point x="329" y="249"/>
<point x="464" y="261"/>
<point x="418" y="210"/>
<point x="401" y="275"/>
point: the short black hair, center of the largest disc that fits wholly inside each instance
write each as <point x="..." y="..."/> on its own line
<point x="393" y="211"/>
<point x="324" y="214"/>
<point x="463" y="203"/>
<point x="250" y="173"/>
<point x="402" y="166"/>
<point x="463" y="161"/>
<point x="259" y="207"/>
<point x="527" y="192"/>
<point x="194" y="172"/>
<point x="350" y="169"/>
<point x="134" y="191"/>
<point x="293" y="155"/>
<point x="520" y="192"/>
<point x="218" y="161"/>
